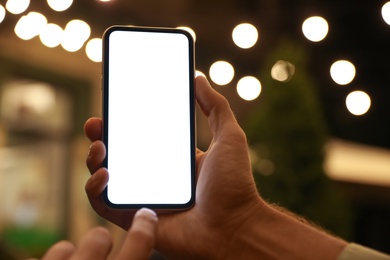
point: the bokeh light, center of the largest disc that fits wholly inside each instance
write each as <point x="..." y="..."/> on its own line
<point x="59" y="5"/>
<point x="358" y="102"/>
<point x="31" y="25"/>
<point x="315" y="28"/>
<point x="386" y="12"/>
<point x="93" y="49"/>
<point x="51" y="35"/>
<point x="248" y="88"/>
<point x="188" y="29"/>
<point x="75" y="34"/>
<point x="282" y="71"/>
<point x="2" y="13"/>
<point x="17" y="6"/>
<point x="342" y="72"/>
<point x="221" y="72"/>
<point x="245" y="35"/>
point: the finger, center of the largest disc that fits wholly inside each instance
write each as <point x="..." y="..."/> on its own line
<point x="199" y="153"/>
<point x="60" y="251"/>
<point x="97" y="183"/>
<point x="93" y="128"/>
<point x="94" y="188"/>
<point x="96" y="155"/>
<point x="140" y="239"/>
<point x="216" y="108"/>
<point x="96" y="244"/>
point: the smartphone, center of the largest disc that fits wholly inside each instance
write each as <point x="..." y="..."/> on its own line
<point x="149" y="117"/>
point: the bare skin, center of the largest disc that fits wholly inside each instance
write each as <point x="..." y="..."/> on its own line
<point x="97" y="243"/>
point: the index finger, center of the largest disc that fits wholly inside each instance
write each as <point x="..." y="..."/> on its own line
<point x="140" y="239"/>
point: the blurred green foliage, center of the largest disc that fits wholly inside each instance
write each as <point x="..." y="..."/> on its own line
<point x="287" y="133"/>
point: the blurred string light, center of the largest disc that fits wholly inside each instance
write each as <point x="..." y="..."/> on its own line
<point x="386" y="12"/>
<point x="248" y="88"/>
<point x="59" y="5"/>
<point x="188" y="29"/>
<point x="282" y="71"/>
<point x="51" y="35"/>
<point x="17" y="6"/>
<point x="315" y="28"/>
<point x="342" y="72"/>
<point x="221" y="72"/>
<point x="76" y="33"/>
<point x="245" y="35"/>
<point x="72" y="38"/>
<point x="30" y="25"/>
<point x="2" y="13"/>
<point x="358" y="102"/>
<point x="93" y="49"/>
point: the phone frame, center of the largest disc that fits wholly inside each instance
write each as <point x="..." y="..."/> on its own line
<point x="192" y="103"/>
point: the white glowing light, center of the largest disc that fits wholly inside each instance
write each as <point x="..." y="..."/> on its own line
<point x="315" y="28"/>
<point x="282" y="71"/>
<point x="21" y="29"/>
<point x="245" y="35"/>
<point x="342" y="72"/>
<point x="249" y="88"/>
<point x="51" y="35"/>
<point x="30" y="25"/>
<point x="59" y="5"/>
<point x="17" y="6"/>
<point x="75" y="34"/>
<point x="221" y="72"/>
<point x="188" y="29"/>
<point x="94" y="49"/>
<point x="358" y="103"/>
<point x="2" y="13"/>
<point x="386" y="12"/>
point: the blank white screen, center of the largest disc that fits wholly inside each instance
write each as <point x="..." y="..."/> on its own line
<point x="149" y="140"/>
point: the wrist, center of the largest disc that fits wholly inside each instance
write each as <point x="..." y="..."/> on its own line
<point x="271" y="234"/>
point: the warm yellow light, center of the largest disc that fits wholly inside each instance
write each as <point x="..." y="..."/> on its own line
<point x="21" y="29"/>
<point x="75" y="34"/>
<point x="17" y="6"/>
<point x="386" y="12"/>
<point x="94" y="49"/>
<point x="358" y="103"/>
<point x="188" y="29"/>
<point x="282" y="71"/>
<point x="51" y="35"/>
<point x="221" y="72"/>
<point x="315" y="28"/>
<point x="31" y="25"/>
<point x="342" y="72"/>
<point x="245" y="35"/>
<point x="78" y="28"/>
<point x="249" y="88"/>
<point x="59" y="5"/>
<point x="2" y="13"/>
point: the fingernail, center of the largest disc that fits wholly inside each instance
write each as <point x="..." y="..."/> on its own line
<point x="146" y="213"/>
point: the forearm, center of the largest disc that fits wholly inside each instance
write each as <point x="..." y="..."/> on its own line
<point x="272" y="234"/>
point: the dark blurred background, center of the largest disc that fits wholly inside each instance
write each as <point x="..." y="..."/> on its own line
<point x="310" y="153"/>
